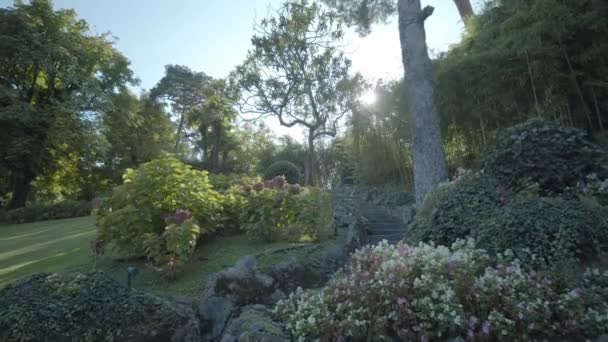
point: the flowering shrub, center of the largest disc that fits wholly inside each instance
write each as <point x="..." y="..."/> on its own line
<point x="427" y="292"/>
<point x="277" y="210"/>
<point x="135" y="218"/>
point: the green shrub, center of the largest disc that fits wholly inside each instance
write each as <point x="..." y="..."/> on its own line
<point x="542" y="152"/>
<point x="283" y="168"/>
<point x="42" y="212"/>
<point x="280" y="211"/>
<point x="234" y="210"/>
<point x="137" y="212"/>
<point x="423" y="293"/>
<point x="554" y="230"/>
<point x="532" y="196"/>
<point x="446" y="217"/>
<point x="81" y="307"/>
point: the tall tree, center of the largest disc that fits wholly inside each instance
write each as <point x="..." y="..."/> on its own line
<point x="212" y="118"/>
<point x="51" y="72"/>
<point x="184" y="89"/>
<point x="137" y="130"/>
<point x="297" y="73"/>
<point x="464" y="8"/>
<point x="430" y="167"/>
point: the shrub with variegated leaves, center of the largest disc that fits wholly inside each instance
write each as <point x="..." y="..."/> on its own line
<point x="435" y="292"/>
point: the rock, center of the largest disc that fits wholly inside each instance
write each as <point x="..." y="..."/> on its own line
<point x="277" y="296"/>
<point x="215" y="311"/>
<point x="356" y="235"/>
<point x="332" y="261"/>
<point x="292" y="274"/>
<point x="191" y="330"/>
<point x="243" y="284"/>
<point x="254" y="324"/>
<point x="405" y="213"/>
<point x="398" y="199"/>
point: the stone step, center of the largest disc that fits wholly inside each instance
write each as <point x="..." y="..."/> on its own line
<point x="389" y="237"/>
<point x="375" y="240"/>
<point x="382" y="219"/>
<point x="386" y="225"/>
<point x="373" y="232"/>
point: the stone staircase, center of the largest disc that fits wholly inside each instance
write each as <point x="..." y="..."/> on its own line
<point x="381" y="225"/>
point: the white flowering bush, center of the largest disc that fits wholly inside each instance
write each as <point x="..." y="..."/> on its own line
<point x="432" y="292"/>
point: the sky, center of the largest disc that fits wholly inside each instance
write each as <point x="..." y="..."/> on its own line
<point x="213" y="36"/>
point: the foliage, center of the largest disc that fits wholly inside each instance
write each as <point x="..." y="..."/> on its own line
<point x="79" y="307"/>
<point x="377" y="146"/>
<point x="280" y="211"/>
<point x="544" y="153"/>
<point x="446" y="217"/>
<point x="52" y="72"/>
<point x="283" y="168"/>
<point x="552" y="230"/>
<point x="43" y="212"/>
<point x="527" y="198"/>
<point x="297" y="72"/>
<point x="184" y="90"/>
<point x="137" y="129"/>
<point x="428" y="292"/>
<point x="133" y="219"/>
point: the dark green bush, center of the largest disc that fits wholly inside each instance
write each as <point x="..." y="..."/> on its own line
<point x="552" y="229"/>
<point x="81" y="307"/>
<point x="283" y="168"/>
<point x="540" y="193"/>
<point x="542" y="152"/>
<point x="449" y="215"/>
<point x="41" y="212"/>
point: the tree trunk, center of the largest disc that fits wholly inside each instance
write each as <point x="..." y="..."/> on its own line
<point x="310" y="159"/>
<point x="203" y="131"/>
<point x="430" y="166"/>
<point x="531" y="75"/>
<point x="180" y="128"/>
<point x="224" y="160"/>
<point x="215" y="152"/>
<point x="464" y="8"/>
<point x="22" y="184"/>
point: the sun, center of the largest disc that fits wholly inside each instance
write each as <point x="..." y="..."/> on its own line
<point x="369" y="97"/>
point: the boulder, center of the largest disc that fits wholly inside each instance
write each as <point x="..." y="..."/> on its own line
<point x="254" y="324"/>
<point x="292" y="274"/>
<point x="214" y="312"/>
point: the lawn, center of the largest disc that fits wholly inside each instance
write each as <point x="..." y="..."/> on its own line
<point x="63" y="245"/>
<point x="47" y="246"/>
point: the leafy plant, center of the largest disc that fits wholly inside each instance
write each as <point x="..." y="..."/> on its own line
<point x="81" y="307"/>
<point x="133" y="219"/>
<point x="434" y="292"/>
<point x="280" y="211"/>
<point x="42" y="212"/>
<point x="283" y="168"/>
<point x="532" y="196"/>
<point x="544" y="153"/>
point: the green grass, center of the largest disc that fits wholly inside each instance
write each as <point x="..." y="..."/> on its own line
<point x="47" y="246"/>
<point x="63" y="245"/>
